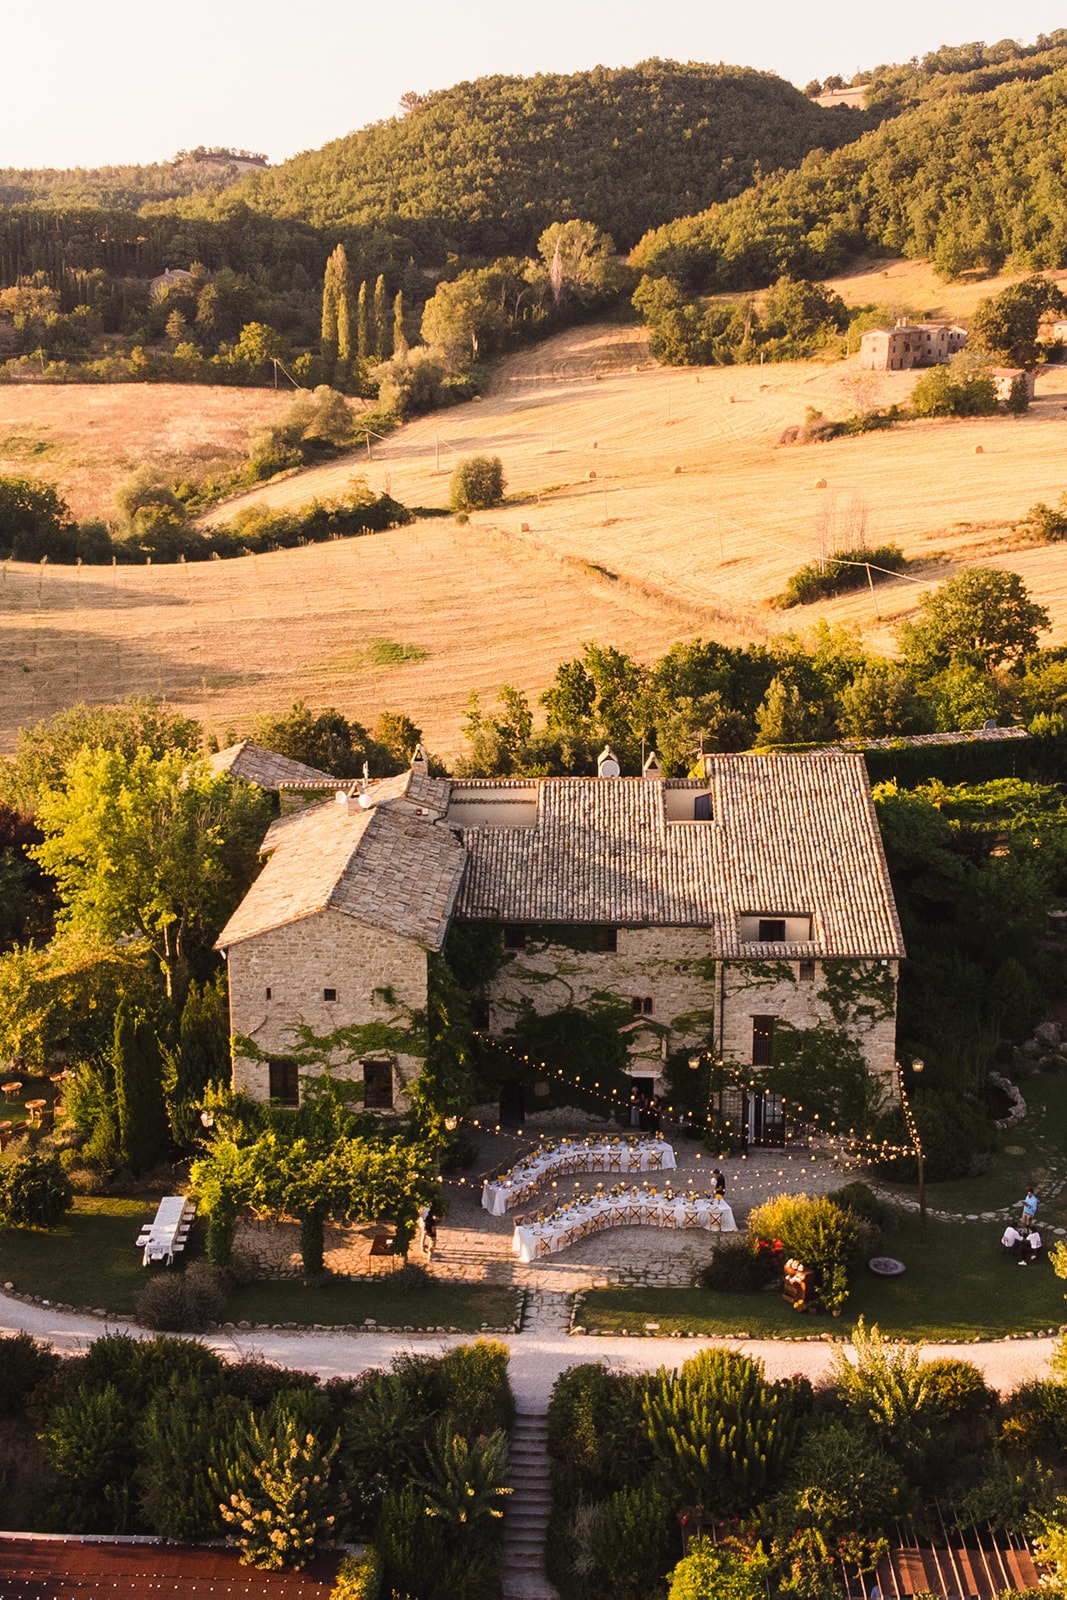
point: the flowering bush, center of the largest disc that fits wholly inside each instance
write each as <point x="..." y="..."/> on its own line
<point x="276" y="1493"/>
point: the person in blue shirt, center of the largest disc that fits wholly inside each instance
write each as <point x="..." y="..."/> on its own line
<point x="1029" y="1206"/>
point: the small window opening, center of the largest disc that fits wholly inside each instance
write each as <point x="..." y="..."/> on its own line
<point x="762" y="1041"/>
<point x="642" y="1005"/>
<point x="329" y="994"/>
<point x="807" y="972"/>
<point x="268" y="995"/>
<point x="771" y="930"/>
<point x="283" y="1081"/>
<point x="607" y="938"/>
<point x="514" y="938"/>
<point x="378" y="1085"/>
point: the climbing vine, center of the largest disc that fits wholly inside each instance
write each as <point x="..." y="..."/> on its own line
<point x="858" y="991"/>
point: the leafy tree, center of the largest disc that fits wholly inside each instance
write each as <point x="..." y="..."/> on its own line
<point x="983" y="615"/>
<point x="154" y="847"/>
<point x="400" y="338"/>
<point x="886" y="1385"/>
<point x="477" y="483"/>
<point x="202" y="1057"/>
<point x="138" y="1071"/>
<point x="1005" y="325"/>
<point x="336" y="335"/>
<point x="880" y="704"/>
<point x="784" y="717"/>
<point x="34" y="1190"/>
<point x="326" y="740"/>
<point x="34" y="522"/>
<point x="580" y="261"/>
<point x="799" y="316"/>
<point x="60" y="1000"/>
<point x="44" y="750"/>
<point x="961" y="389"/>
<point x="821" y="1071"/>
<point x="396" y="732"/>
<point x="362" y="333"/>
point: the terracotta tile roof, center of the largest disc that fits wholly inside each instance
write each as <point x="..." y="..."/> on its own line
<point x="266" y="768"/>
<point x="37" y="1568"/>
<point x="788" y="835"/>
<point x="383" y="866"/>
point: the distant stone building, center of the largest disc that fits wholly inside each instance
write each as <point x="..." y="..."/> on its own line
<point x="910" y="344"/>
<point x="166" y="280"/>
<point x="711" y="910"/>
<point x="1005" y="378"/>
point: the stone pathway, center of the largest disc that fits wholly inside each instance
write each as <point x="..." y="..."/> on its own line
<point x="527" y="1511"/>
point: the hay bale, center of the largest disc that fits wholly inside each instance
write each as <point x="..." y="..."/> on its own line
<point x="820" y="483"/>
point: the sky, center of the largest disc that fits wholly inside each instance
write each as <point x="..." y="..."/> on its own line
<point x="114" y="82"/>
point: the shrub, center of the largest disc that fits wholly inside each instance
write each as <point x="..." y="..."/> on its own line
<point x="842" y="571"/>
<point x="632" y="1543"/>
<point x="1037" y="1417"/>
<point x="34" y="1191"/>
<point x="358" y="1578"/>
<point x="595" y="1436"/>
<point x="840" y="1482"/>
<point x="954" y="391"/>
<point x="861" y="1200"/>
<point x="411" y="1278"/>
<point x="720" y="1572"/>
<point x="738" y="1268"/>
<point x="183" y="1302"/>
<point x="88" y="1442"/>
<point x="817" y="1232"/>
<point x="720" y="1433"/>
<point x="475" y="1391"/>
<point x="23" y="1365"/>
<point x="275" y="1493"/>
<point x="477" y="483"/>
<point x="187" y="1425"/>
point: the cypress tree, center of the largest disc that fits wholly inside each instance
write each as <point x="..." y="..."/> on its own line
<point x="328" y="336"/>
<point x="362" y="337"/>
<point x="138" y="1066"/>
<point x="381" y="325"/>
<point x="400" y="342"/>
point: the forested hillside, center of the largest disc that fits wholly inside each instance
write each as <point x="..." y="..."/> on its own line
<point x="127" y="186"/>
<point x="484" y="167"/>
<point x="970" y="176"/>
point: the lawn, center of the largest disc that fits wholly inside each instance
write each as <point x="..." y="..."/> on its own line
<point x="91" y="1261"/>
<point x="958" y="1285"/>
<point x="466" y="1307"/>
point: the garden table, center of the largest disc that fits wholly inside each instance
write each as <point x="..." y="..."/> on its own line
<point x="161" y="1241"/>
<point x="574" y="1155"/>
<point x="12" y="1088"/>
<point x="631" y="1207"/>
<point x="35" y="1107"/>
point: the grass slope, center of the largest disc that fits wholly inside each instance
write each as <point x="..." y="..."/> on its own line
<point x="656" y="504"/>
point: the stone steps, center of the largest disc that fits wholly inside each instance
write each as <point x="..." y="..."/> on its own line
<point x="526" y="1515"/>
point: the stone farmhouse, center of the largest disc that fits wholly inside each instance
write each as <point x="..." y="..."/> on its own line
<point x="713" y="910"/>
<point x="910" y="344"/>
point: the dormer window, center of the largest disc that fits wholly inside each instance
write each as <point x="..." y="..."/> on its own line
<point x="774" y="927"/>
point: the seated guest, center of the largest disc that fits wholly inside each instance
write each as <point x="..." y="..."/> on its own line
<point x="1011" y="1239"/>
<point x="1031" y="1247"/>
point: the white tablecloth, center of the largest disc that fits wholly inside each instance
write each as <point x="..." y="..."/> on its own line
<point x="160" y="1242"/>
<point x="575" y="1155"/>
<point x="633" y="1208"/>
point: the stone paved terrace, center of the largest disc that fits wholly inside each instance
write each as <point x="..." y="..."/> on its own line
<point x="475" y="1247"/>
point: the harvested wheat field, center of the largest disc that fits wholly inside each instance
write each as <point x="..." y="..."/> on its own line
<point x="647" y="505"/>
<point x="88" y="438"/>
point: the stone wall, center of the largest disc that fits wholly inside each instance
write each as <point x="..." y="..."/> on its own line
<point x="278" y="980"/>
<point x="776" y="989"/>
<point x="672" y="968"/>
<point x="675" y="969"/>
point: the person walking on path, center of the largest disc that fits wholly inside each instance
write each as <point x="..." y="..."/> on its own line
<point x="720" y="1183"/>
<point x="1029" y="1206"/>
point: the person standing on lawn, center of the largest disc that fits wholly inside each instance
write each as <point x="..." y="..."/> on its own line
<point x="1029" y="1206"/>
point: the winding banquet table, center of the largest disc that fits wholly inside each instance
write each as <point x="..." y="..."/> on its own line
<point x="574" y="1155"/>
<point x="629" y="1209"/>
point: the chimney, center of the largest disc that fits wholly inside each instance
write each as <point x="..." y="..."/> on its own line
<point x="607" y="764"/>
<point x="419" y="763"/>
<point x="652" y="768"/>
